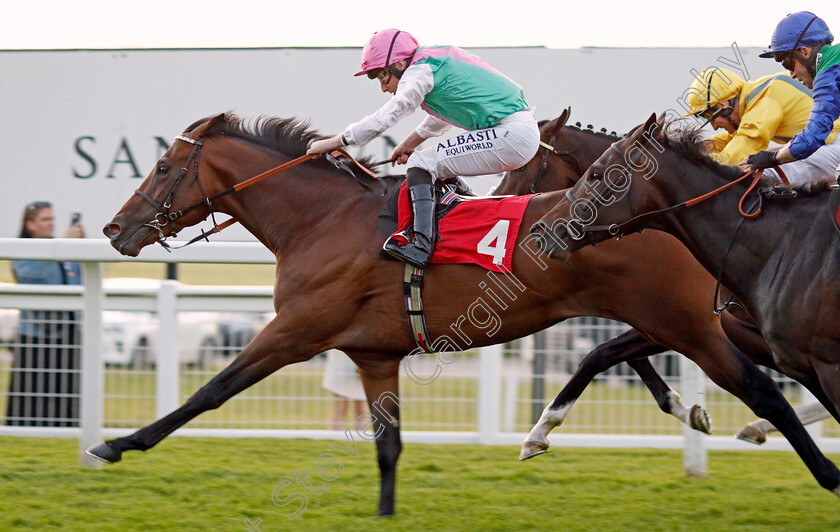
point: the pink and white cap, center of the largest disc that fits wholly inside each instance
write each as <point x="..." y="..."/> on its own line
<point x="385" y="48"/>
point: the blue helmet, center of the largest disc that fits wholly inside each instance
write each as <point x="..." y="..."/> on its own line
<point x="796" y="30"/>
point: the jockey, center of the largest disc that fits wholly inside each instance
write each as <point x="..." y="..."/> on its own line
<point x="455" y="88"/>
<point x="753" y="113"/>
<point x="802" y="44"/>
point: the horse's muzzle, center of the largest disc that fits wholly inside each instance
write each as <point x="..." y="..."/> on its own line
<point x="549" y="242"/>
<point x="127" y="244"/>
<point x="112" y="231"/>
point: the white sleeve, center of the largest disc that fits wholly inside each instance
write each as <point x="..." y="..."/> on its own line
<point x="432" y="126"/>
<point x="416" y="82"/>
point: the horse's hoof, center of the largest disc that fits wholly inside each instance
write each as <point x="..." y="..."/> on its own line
<point x="531" y="449"/>
<point x="752" y="435"/>
<point x="699" y="419"/>
<point x="104" y="452"/>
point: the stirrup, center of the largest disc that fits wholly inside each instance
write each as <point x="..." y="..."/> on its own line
<point x="409" y="253"/>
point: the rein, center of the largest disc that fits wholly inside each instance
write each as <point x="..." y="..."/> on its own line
<point x="753" y="211"/>
<point x="166" y="215"/>
<point x="617" y="229"/>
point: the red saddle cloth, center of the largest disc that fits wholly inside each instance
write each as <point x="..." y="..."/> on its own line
<point x="475" y="231"/>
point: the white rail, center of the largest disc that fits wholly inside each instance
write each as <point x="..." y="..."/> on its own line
<point x="173" y="297"/>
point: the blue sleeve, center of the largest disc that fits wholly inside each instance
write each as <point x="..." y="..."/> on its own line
<point x="825" y="111"/>
<point x="35" y="271"/>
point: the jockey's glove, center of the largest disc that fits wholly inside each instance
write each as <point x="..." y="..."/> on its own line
<point x="762" y="159"/>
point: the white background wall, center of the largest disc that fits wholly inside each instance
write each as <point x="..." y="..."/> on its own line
<point x="51" y="99"/>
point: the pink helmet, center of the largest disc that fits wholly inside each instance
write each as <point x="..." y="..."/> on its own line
<point x="385" y="48"/>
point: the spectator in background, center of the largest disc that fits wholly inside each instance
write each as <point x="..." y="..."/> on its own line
<point x="45" y="378"/>
<point x="341" y="377"/>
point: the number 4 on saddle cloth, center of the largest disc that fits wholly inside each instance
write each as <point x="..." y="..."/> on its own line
<point x="471" y="230"/>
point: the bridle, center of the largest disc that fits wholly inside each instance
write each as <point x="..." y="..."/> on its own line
<point x="165" y="214"/>
<point x="618" y="229"/>
<point x="550" y="149"/>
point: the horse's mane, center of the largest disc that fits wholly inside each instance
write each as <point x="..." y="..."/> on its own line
<point x="591" y="131"/>
<point x="289" y="136"/>
<point x="689" y="143"/>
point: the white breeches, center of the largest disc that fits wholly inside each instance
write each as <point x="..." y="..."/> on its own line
<point x="822" y="165"/>
<point x="506" y="146"/>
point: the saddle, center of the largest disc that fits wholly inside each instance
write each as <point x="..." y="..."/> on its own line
<point x="448" y="194"/>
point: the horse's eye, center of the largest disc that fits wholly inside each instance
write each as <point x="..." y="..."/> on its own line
<point x="518" y="170"/>
<point x="162" y="169"/>
<point x="596" y="175"/>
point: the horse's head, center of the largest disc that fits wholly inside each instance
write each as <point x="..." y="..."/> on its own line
<point x="604" y="202"/>
<point x="169" y="199"/>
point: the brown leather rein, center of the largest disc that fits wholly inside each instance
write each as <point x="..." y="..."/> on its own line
<point x="616" y="229"/>
<point x="165" y="215"/>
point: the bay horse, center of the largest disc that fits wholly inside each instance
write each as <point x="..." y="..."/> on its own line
<point x="565" y="153"/>
<point x="779" y="258"/>
<point x="333" y="290"/>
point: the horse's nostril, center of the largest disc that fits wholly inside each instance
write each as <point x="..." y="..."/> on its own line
<point x="112" y="230"/>
<point x="538" y="229"/>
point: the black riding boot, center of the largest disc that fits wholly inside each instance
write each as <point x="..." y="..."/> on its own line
<point x="422" y="197"/>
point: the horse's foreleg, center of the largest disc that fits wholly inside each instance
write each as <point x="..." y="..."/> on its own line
<point x="381" y="379"/>
<point x="748" y="339"/>
<point x="258" y="360"/>
<point x="733" y="372"/>
<point x="628" y="346"/>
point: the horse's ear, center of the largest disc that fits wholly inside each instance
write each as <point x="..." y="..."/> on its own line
<point x="554" y="126"/>
<point x="644" y="132"/>
<point x="216" y="120"/>
<point x="650" y="125"/>
<point x="564" y="117"/>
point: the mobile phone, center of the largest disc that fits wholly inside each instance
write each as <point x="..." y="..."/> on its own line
<point x="75" y="218"/>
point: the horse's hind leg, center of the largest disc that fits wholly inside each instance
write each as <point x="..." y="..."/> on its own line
<point x="258" y="360"/>
<point x="756" y="432"/>
<point x="668" y="399"/>
<point x="631" y="345"/>
<point x="381" y="379"/>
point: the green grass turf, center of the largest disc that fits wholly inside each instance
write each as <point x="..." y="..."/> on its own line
<point x="216" y="484"/>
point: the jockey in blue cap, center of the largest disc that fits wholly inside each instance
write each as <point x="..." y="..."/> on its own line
<point x="802" y="44"/>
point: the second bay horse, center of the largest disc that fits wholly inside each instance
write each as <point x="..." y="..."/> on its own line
<point x="780" y="258"/>
<point x="565" y="154"/>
